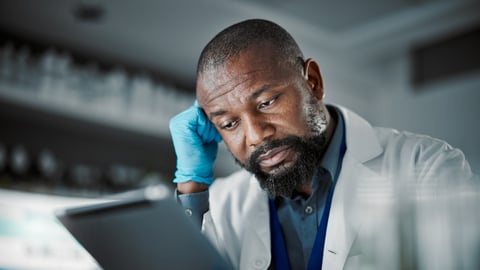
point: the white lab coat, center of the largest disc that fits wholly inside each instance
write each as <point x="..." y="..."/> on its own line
<point x="238" y="220"/>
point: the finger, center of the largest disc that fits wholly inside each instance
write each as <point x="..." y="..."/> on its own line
<point x="206" y="129"/>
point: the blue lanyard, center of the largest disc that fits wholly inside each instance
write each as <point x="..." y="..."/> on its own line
<point x="279" y="251"/>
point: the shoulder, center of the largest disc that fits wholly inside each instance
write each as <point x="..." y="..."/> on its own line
<point x="362" y="133"/>
<point x="405" y="142"/>
<point x="423" y="156"/>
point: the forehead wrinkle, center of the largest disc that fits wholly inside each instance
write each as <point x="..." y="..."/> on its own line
<point x="239" y="81"/>
<point x="253" y="95"/>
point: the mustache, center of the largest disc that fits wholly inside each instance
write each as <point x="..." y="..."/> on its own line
<point x="252" y="160"/>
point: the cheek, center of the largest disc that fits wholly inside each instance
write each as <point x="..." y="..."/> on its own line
<point x="235" y="145"/>
<point x="292" y="121"/>
<point x="293" y="115"/>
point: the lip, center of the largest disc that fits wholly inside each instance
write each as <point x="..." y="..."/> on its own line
<point x="273" y="157"/>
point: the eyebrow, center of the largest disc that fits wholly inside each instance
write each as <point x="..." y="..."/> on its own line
<point x="254" y="95"/>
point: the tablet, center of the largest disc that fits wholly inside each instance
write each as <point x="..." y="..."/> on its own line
<point x="146" y="231"/>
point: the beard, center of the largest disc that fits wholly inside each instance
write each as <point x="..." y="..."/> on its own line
<point x="282" y="180"/>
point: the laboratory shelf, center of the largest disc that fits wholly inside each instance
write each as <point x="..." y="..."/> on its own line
<point x="153" y="125"/>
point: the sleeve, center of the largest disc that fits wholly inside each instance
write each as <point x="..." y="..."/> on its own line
<point x="195" y="205"/>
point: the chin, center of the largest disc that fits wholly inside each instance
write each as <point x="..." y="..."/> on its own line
<point x="283" y="181"/>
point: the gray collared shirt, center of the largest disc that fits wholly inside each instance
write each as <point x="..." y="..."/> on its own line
<point x="301" y="217"/>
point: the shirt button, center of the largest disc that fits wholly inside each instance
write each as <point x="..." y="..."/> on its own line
<point x="259" y="263"/>
<point x="308" y="210"/>
<point x="188" y="212"/>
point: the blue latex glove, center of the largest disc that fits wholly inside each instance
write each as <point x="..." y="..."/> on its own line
<point x="196" y="144"/>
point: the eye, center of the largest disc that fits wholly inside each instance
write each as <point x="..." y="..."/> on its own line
<point x="229" y="125"/>
<point x="267" y="103"/>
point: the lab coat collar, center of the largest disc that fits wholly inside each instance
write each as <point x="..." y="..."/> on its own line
<point x="362" y="143"/>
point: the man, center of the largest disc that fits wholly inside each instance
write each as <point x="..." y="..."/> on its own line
<point x="301" y="199"/>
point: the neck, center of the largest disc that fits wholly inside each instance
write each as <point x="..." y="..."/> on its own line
<point x="305" y="191"/>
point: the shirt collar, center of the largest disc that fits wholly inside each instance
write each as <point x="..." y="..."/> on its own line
<point x="332" y="159"/>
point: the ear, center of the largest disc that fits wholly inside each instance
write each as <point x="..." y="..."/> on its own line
<point x="313" y="77"/>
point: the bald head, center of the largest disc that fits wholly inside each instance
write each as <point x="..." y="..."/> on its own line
<point x="239" y="37"/>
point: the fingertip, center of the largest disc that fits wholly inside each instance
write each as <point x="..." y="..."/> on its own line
<point x="201" y="117"/>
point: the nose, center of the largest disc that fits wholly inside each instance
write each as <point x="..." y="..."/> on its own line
<point x="257" y="130"/>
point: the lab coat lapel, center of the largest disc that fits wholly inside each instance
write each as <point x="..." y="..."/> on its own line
<point x="344" y="222"/>
<point x="256" y="245"/>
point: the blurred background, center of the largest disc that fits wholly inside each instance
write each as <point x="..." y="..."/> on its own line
<point x="87" y="87"/>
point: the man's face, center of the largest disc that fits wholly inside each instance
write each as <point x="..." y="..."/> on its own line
<point x="269" y="116"/>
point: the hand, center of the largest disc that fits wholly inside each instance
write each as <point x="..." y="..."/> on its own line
<point x="195" y="140"/>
